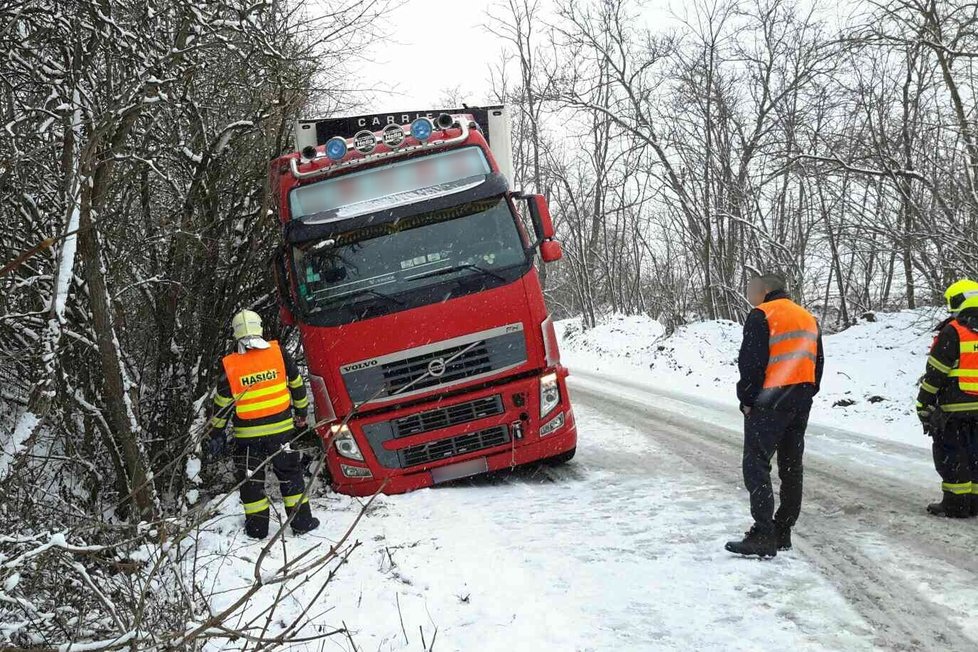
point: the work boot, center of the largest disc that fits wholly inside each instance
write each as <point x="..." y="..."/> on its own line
<point x="755" y="544"/>
<point x="256" y="525"/>
<point x="952" y="506"/>
<point x="782" y="533"/>
<point x="304" y="521"/>
<point x="974" y="504"/>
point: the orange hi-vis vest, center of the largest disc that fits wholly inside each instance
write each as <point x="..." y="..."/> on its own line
<point x="259" y="383"/>
<point x="967" y="370"/>
<point x="793" y="344"/>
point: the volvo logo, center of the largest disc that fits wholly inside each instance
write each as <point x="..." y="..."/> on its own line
<point x="357" y="366"/>
<point x="437" y="367"/>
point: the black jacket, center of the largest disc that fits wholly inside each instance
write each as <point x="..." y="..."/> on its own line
<point x="754" y="352"/>
<point x="937" y="388"/>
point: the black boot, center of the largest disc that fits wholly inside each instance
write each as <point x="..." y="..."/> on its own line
<point x="782" y="533"/>
<point x="755" y="544"/>
<point x="952" y="506"/>
<point x="304" y="521"/>
<point x="974" y="504"/>
<point x="256" y="525"/>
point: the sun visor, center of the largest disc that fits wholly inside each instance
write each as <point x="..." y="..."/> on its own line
<point x="297" y="232"/>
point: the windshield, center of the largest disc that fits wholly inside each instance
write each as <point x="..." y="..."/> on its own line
<point x="409" y="262"/>
<point x="405" y="182"/>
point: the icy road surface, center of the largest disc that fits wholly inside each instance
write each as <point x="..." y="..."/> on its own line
<point x="623" y="549"/>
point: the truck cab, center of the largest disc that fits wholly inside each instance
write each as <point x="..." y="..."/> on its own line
<point x="408" y="267"/>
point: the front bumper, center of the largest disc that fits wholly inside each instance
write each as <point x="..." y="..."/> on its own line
<point x="391" y="477"/>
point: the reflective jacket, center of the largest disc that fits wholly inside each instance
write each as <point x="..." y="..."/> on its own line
<point x="781" y="358"/>
<point x="951" y="378"/>
<point x="258" y="389"/>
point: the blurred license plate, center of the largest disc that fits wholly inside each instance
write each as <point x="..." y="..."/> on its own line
<point x="460" y="470"/>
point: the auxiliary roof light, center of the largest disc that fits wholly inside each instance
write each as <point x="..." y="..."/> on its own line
<point x="393" y="136"/>
<point x="336" y="148"/>
<point x="422" y="128"/>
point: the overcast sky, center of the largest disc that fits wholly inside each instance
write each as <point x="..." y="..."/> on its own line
<point x="436" y="45"/>
<point x="433" y="45"/>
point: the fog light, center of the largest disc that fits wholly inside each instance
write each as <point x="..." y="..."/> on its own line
<point x="554" y="424"/>
<point x="355" y="471"/>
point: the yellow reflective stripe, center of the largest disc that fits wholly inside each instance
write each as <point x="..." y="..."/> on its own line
<point x="296" y="382"/>
<point x="302" y="403"/>
<point x="968" y="387"/>
<point x="261" y="405"/>
<point x="927" y="387"/>
<point x="960" y="407"/>
<point x="245" y="432"/>
<point x="957" y="373"/>
<point x="937" y="364"/>
<point x="249" y="394"/>
<point x="958" y="488"/>
<point x="292" y="501"/>
<point x="257" y="506"/>
<point x="974" y="488"/>
<point x="218" y="422"/>
<point x="222" y="401"/>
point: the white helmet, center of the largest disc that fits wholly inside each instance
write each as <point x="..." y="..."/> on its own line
<point x="246" y="324"/>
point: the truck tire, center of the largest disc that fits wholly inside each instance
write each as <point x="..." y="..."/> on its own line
<point x="562" y="458"/>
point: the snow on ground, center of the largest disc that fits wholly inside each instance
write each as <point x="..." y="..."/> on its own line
<point x="624" y="551"/>
<point x="870" y="379"/>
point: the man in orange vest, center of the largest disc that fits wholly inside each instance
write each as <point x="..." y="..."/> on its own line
<point x="259" y="387"/>
<point x="947" y="403"/>
<point x="781" y="363"/>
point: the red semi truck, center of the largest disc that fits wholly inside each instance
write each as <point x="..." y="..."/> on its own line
<point x="408" y="266"/>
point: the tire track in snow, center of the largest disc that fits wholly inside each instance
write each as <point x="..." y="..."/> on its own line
<point x="902" y="618"/>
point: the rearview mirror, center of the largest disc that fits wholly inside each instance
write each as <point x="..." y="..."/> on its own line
<point x="540" y="214"/>
<point x="551" y="251"/>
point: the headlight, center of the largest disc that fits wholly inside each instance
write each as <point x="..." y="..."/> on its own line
<point x="549" y="394"/>
<point x="345" y="444"/>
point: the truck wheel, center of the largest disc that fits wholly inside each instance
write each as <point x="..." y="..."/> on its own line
<point x="563" y="458"/>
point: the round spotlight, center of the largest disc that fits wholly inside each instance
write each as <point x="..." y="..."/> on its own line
<point x="444" y="121"/>
<point x="336" y="148"/>
<point x="393" y="136"/>
<point x="308" y="152"/>
<point x="364" y="141"/>
<point x="422" y="128"/>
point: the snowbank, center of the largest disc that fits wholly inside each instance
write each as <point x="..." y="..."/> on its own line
<point x="871" y="369"/>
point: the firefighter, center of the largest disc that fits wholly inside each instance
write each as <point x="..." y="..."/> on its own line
<point x="781" y="363"/>
<point x="947" y="403"/>
<point x="259" y="387"/>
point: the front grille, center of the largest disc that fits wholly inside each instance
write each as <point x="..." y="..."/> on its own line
<point x="409" y="372"/>
<point x="412" y="374"/>
<point x="445" y="417"/>
<point x="452" y="446"/>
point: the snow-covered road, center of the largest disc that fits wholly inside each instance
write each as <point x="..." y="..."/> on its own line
<point x="623" y="548"/>
<point x="911" y="577"/>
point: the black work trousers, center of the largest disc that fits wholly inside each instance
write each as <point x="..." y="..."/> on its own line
<point x="767" y="432"/>
<point x="249" y="457"/>
<point x="956" y="459"/>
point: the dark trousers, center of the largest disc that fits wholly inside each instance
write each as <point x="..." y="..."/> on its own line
<point x="956" y="459"/>
<point x="249" y="456"/>
<point x="767" y="432"/>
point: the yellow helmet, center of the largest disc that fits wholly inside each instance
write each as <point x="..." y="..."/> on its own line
<point x="962" y="295"/>
<point x="248" y="324"/>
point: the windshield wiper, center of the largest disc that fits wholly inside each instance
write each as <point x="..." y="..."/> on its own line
<point x="455" y="268"/>
<point x="375" y="293"/>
